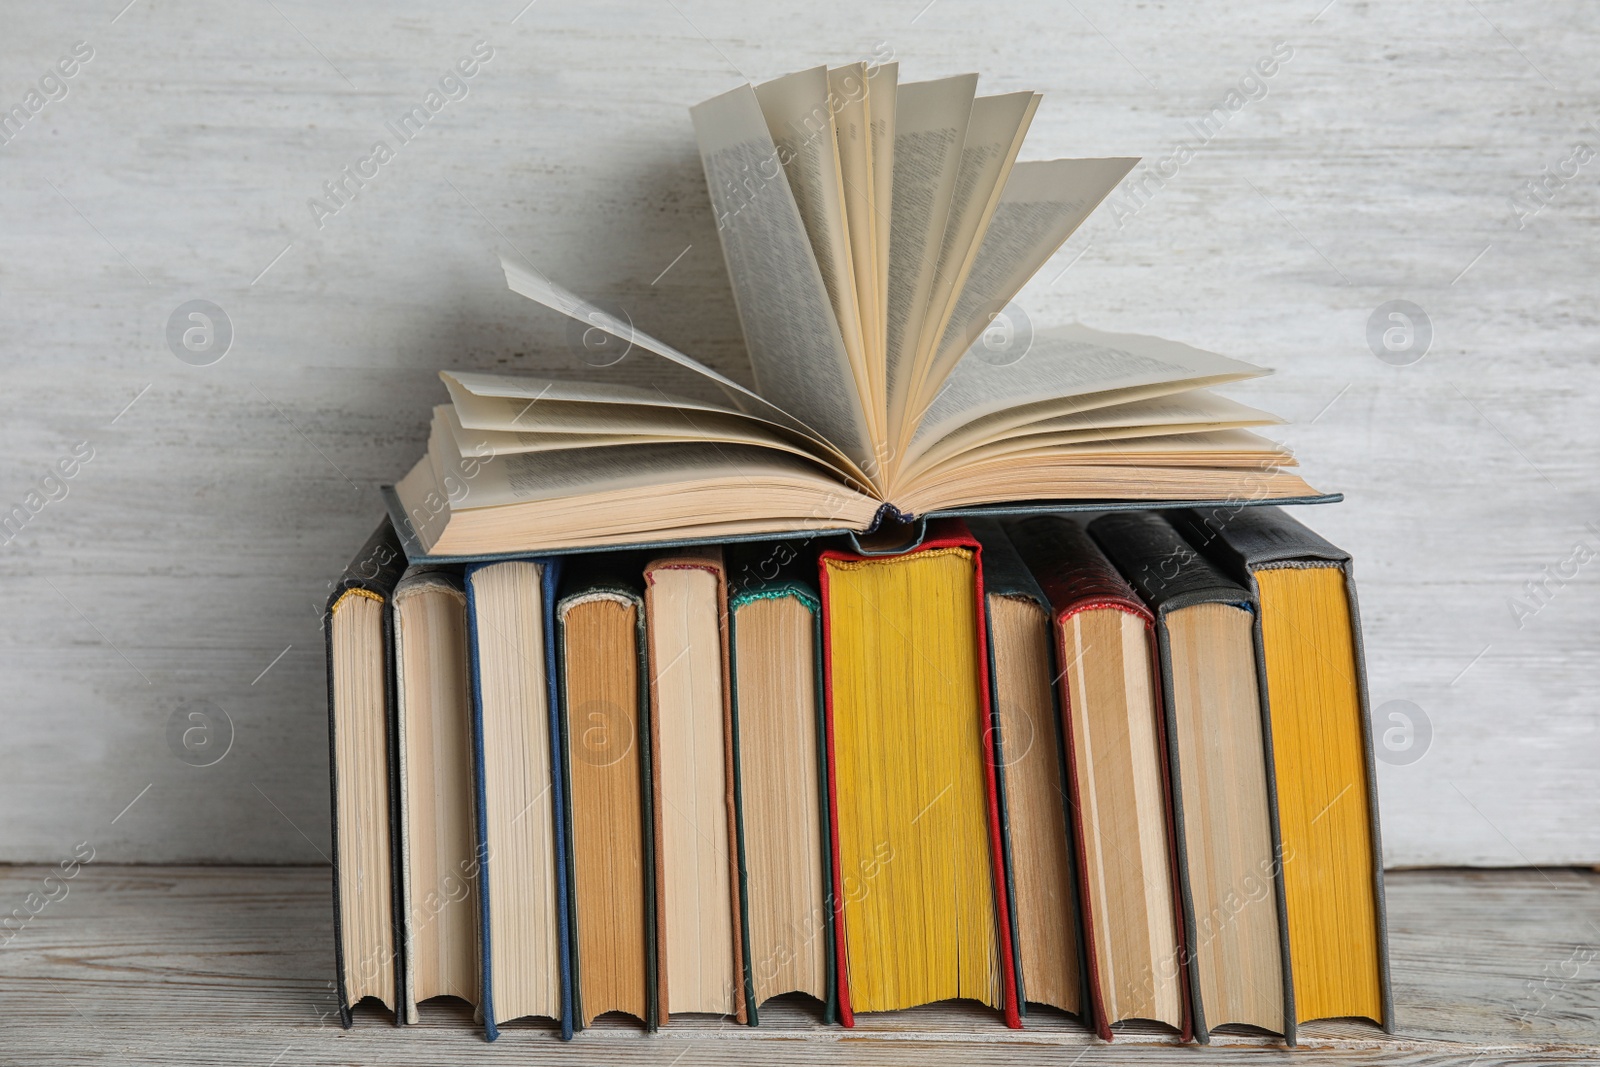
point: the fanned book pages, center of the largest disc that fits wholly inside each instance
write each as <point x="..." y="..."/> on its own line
<point x="874" y="233"/>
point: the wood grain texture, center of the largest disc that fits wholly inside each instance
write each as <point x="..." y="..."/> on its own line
<point x="195" y="547"/>
<point x="232" y="965"/>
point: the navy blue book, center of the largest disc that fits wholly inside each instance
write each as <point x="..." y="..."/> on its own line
<point x="524" y="929"/>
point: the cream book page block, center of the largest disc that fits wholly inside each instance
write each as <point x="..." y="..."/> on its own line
<point x="686" y="658"/>
<point x="519" y="809"/>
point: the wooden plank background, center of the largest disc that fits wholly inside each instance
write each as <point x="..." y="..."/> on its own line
<point x="235" y="965"/>
<point x="185" y="566"/>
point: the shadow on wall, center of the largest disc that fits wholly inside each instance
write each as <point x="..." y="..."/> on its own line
<point x="652" y="259"/>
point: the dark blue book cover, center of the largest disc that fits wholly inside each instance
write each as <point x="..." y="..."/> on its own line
<point x="550" y="573"/>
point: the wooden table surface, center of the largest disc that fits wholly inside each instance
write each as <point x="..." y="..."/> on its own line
<point x="233" y="965"/>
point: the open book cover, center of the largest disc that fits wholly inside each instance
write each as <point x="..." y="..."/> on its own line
<point x="875" y="235"/>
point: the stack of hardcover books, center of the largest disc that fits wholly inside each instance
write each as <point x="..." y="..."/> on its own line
<point x="944" y="663"/>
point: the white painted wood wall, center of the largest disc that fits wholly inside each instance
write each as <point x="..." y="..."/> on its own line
<point x="189" y="558"/>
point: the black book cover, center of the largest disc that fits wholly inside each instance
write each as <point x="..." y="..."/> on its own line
<point x="373" y="572"/>
<point x="1241" y="540"/>
<point x="1169" y="574"/>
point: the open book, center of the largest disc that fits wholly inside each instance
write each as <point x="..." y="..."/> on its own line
<point x="875" y="234"/>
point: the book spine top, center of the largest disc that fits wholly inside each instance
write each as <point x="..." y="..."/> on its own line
<point x="1004" y="571"/>
<point x="376" y="569"/>
<point x="1164" y="568"/>
<point x="1071" y="569"/>
<point x="776" y="569"/>
<point x="1252" y="537"/>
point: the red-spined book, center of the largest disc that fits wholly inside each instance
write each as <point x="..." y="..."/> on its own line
<point x="878" y="636"/>
<point x="1117" y="777"/>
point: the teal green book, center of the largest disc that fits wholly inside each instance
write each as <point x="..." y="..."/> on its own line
<point x="779" y="756"/>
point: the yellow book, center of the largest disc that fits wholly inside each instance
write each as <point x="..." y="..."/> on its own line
<point x="1332" y="858"/>
<point x="918" y="880"/>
